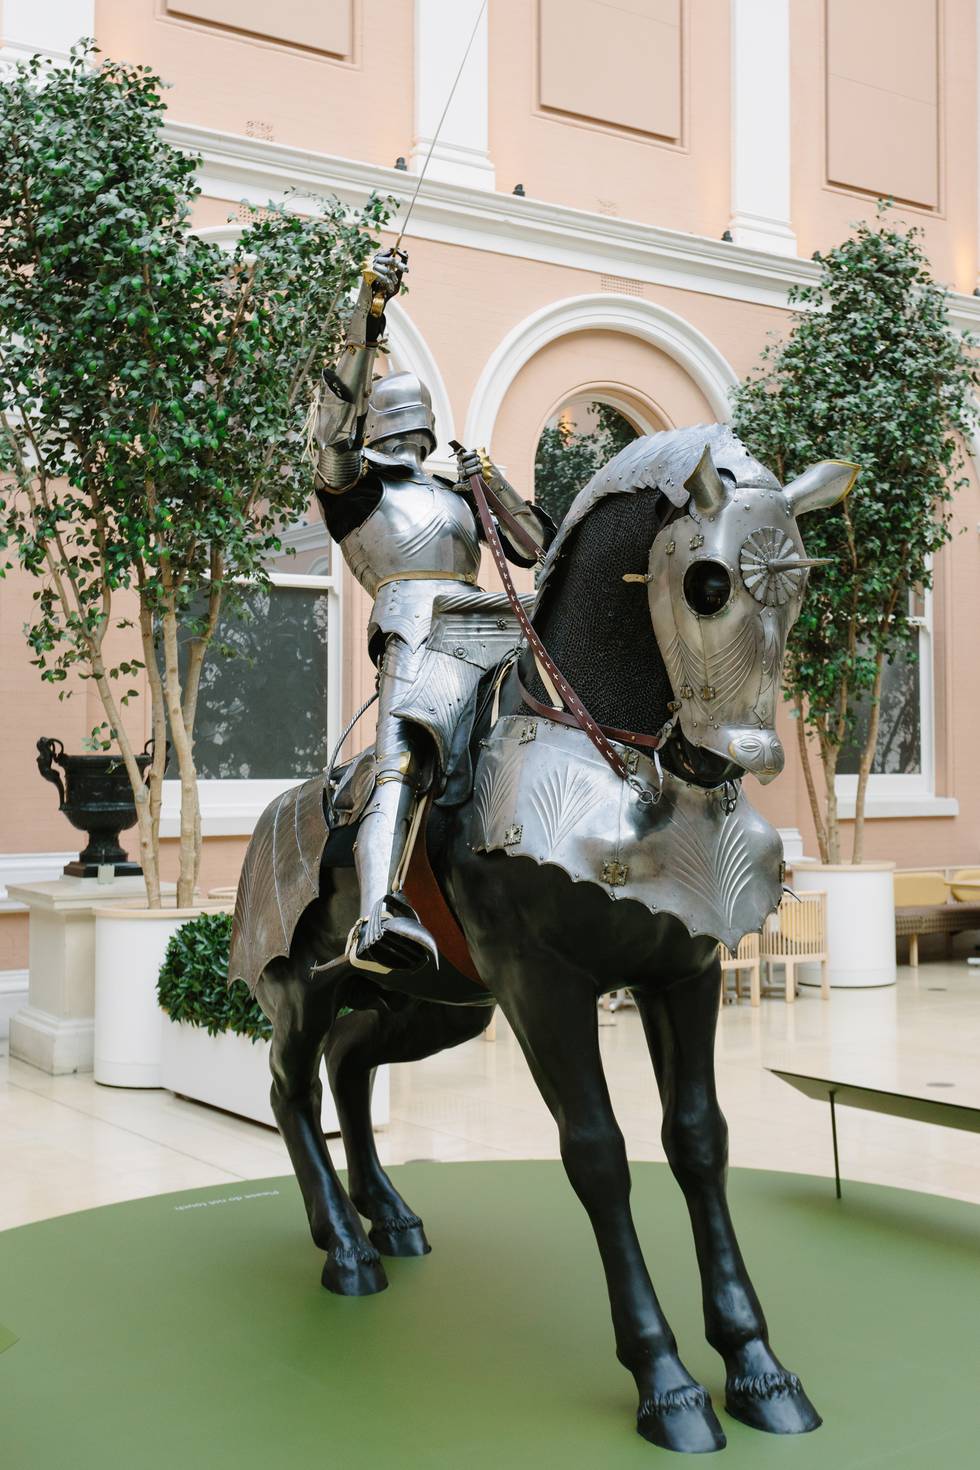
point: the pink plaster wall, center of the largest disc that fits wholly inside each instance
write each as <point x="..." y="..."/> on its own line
<point x="824" y="211"/>
<point x="585" y="161"/>
<point x="358" y="108"/>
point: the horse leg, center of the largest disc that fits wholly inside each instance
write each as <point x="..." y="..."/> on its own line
<point x="680" y="1028"/>
<point x="358" y="1043"/>
<point x="300" y="1014"/>
<point x="557" y="1025"/>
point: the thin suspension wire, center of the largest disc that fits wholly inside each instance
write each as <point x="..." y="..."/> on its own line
<point x="445" y="110"/>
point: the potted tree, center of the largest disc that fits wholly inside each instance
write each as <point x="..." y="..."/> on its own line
<point x="216" y="1037"/>
<point x="871" y="371"/>
<point x="153" y="394"/>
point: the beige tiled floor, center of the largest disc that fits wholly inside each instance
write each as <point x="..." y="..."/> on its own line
<point x="67" y="1144"/>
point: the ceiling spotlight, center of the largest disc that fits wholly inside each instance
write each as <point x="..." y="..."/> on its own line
<point x="726" y="235"/>
<point x="401" y="165"/>
<point x="519" y="191"/>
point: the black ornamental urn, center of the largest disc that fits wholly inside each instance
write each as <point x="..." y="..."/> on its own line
<point x="97" y="798"/>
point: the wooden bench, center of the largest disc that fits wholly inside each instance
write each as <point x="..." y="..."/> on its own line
<point x="945" y="1112"/>
<point x="923" y="906"/>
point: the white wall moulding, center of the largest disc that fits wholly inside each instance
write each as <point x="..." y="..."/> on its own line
<point x="326" y="27"/>
<point x="883" y="133"/>
<point x="761" y="126"/>
<point x="877" y="807"/>
<point x="236" y="167"/>
<point x="641" y="93"/>
<point x="51" y="27"/>
<point x="602" y="311"/>
<point x="13" y="996"/>
<point x="461" y="152"/>
<point x="229" y="808"/>
<point x="29" y="867"/>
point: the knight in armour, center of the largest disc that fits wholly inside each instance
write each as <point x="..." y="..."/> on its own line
<point x="408" y="537"/>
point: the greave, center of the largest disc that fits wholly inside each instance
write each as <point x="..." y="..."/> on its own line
<point x="382" y="838"/>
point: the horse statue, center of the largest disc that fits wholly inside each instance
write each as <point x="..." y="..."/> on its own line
<point x="552" y="866"/>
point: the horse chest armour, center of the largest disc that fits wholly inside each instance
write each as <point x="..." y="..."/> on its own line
<point x="542" y="792"/>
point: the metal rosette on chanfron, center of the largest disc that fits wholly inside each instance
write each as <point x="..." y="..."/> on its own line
<point x="762" y="563"/>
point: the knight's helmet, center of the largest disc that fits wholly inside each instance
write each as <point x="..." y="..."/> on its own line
<point x="399" y="404"/>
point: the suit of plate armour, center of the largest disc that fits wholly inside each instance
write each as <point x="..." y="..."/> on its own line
<point x="415" y="541"/>
<point x="418" y="526"/>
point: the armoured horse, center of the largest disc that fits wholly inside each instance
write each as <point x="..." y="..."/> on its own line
<point x="665" y="601"/>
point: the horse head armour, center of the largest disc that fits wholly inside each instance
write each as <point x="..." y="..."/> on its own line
<point x="726" y="584"/>
<point x="725" y="578"/>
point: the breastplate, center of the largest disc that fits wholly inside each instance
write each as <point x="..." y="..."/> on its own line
<point x="418" y="526"/>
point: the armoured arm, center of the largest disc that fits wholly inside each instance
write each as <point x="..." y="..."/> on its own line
<point x="534" y="522"/>
<point x="346" y="386"/>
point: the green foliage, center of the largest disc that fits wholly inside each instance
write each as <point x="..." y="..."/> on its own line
<point x="565" y="461"/>
<point x="153" y="385"/>
<point x="871" y="371"/>
<point x="193" y="984"/>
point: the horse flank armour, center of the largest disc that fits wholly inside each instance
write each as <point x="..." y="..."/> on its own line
<point x="542" y="792"/>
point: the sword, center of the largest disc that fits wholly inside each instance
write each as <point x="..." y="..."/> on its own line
<point x="378" y="298"/>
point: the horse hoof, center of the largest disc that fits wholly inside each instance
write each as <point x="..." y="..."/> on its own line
<point x="681" y="1420"/>
<point x="354" y="1272"/>
<point x="773" y="1402"/>
<point x="401" y="1236"/>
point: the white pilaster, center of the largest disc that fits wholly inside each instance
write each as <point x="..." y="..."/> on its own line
<point x="461" y="154"/>
<point x="761" y="126"/>
<point x="49" y="26"/>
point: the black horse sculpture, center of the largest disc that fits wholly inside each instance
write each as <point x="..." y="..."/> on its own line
<point x="547" y="933"/>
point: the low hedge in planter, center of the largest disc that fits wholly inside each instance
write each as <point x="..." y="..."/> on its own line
<point x="193" y="984"/>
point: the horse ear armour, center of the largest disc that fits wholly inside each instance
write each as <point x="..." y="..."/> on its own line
<point x="821" y="485"/>
<point x="706" y="486"/>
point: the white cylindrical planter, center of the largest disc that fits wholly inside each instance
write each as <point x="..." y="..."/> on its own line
<point x="860" y="922"/>
<point x="232" y="1072"/>
<point x="129" y="947"/>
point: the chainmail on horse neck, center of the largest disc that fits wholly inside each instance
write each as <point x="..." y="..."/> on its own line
<point x="597" y="627"/>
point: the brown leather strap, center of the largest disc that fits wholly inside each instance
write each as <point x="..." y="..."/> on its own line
<point x="625" y="737"/>
<point x="571" y="700"/>
<point x="522" y="540"/>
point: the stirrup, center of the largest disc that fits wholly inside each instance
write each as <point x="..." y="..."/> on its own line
<point x="391" y="937"/>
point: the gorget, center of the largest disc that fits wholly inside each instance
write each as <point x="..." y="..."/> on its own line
<point x="543" y="792"/>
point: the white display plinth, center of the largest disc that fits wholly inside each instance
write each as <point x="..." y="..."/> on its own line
<point x="860" y="922"/>
<point x="55" y="1030"/>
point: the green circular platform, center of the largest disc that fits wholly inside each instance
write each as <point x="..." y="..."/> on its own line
<point x="190" y="1330"/>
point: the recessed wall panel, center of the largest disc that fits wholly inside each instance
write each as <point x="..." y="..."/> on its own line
<point x="316" y="25"/>
<point x="617" y="64"/>
<point x="883" y="97"/>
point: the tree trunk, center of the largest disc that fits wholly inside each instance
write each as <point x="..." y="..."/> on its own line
<point x="829" y="753"/>
<point x="149" y="853"/>
<point x="811" y="789"/>
<point x="158" y="722"/>
<point x="190" y="810"/>
<point x="867" y="758"/>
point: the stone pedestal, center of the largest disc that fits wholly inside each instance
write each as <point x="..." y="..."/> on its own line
<point x="54" y="1031"/>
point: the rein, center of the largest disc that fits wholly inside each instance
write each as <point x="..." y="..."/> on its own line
<point x="577" y="714"/>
